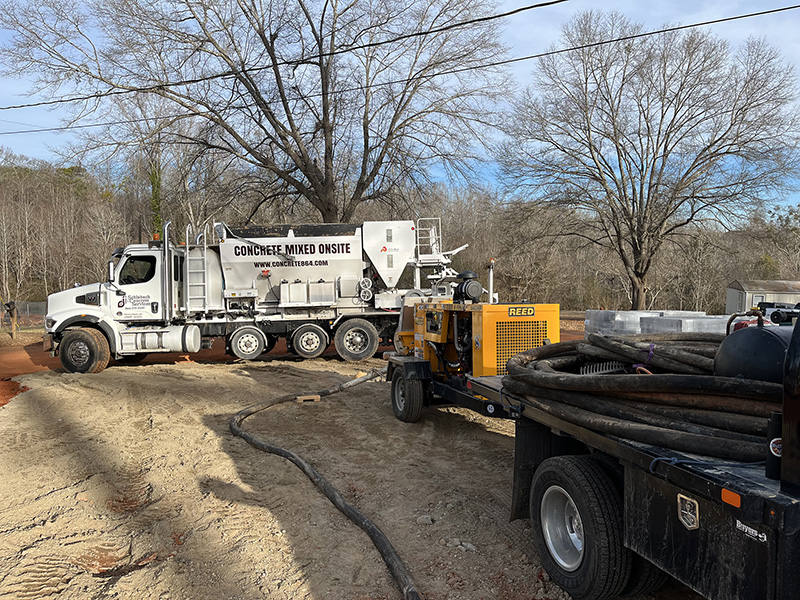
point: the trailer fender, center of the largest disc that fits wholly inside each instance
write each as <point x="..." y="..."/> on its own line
<point x="412" y="368"/>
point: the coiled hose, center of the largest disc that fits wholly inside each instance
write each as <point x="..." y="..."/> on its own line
<point x="389" y="554"/>
<point x="666" y="395"/>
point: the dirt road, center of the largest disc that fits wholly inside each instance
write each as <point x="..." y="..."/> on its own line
<point x="127" y="484"/>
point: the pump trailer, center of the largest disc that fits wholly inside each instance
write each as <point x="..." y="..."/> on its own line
<point x="610" y="515"/>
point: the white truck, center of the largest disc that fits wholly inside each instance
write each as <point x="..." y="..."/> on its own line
<point x="309" y="284"/>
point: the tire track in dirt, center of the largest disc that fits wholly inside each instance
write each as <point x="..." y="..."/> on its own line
<point x="132" y="481"/>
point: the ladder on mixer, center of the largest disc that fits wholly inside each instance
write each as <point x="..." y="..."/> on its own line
<point x="195" y="276"/>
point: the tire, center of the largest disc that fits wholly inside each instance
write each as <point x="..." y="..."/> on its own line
<point x="408" y="396"/>
<point x="645" y="578"/>
<point x="310" y="341"/>
<point x="84" y="350"/>
<point x="248" y="342"/>
<point x="356" y="339"/>
<point x="576" y="518"/>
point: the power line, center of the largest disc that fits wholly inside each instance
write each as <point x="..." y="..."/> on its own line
<point x="286" y="63"/>
<point x="450" y="72"/>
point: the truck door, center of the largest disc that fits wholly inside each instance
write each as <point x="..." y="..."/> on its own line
<point x="139" y="276"/>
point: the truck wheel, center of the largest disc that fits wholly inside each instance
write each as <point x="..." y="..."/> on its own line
<point x="576" y="517"/>
<point x="84" y="350"/>
<point x="310" y="341"/>
<point x="248" y="343"/>
<point x="407" y="397"/>
<point x="645" y="578"/>
<point x="356" y="339"/>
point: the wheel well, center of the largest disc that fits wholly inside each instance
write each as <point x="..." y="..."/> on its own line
<point x="103" y="328"/>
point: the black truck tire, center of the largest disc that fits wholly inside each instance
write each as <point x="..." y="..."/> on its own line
<point x="576" y="518"/>
<point x="84" y="350"/>
<point x="407" y="397"/>
<point x="356" y="339"/>
<point x="645" y="578"/>
<point x="310" y="340"/>
<point x="248" y="342"/>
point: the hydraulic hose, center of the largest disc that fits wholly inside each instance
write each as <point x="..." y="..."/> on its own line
<point x="388" y="552"/>
<point x="682" y="407"/>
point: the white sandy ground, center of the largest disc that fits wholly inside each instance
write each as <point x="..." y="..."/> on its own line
<point x="128" y="484"/>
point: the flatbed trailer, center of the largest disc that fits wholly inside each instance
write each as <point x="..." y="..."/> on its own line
<point x="720" y="527"/>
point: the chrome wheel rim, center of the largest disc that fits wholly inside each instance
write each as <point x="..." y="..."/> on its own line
<point x="247" y="343"/>
<point x="356" y="340"/>
<point x="78" y="353"/>
<point x="309" y="342"/>
<point x="562" y="528"/>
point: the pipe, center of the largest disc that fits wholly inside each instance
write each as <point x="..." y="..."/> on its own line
<point x="167" y="271"/>
<point x="491" y="281"/>
<point x="390" y="556"/>
<point x="694" y="412"/>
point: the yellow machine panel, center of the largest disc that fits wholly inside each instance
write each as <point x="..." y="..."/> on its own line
<point x="494" y="332"/>
<point x="501" y="331"/>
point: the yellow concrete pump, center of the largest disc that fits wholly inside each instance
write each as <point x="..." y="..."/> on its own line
<point x="455" y="352"/>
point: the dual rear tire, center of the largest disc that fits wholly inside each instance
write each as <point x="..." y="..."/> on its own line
<point x="577" y="522"/>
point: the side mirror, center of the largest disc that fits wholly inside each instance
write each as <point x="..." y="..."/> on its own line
<point x="110" y="271"/>
<point x="120" y="292"/>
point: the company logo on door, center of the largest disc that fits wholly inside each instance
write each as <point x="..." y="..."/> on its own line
<point x="135" y="302"/>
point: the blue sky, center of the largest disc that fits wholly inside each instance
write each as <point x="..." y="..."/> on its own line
<point x="527" y="33"/>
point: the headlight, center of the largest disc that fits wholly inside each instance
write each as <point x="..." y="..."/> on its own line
<point x="50" y="323"/>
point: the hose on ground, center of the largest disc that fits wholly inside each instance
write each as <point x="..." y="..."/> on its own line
<point x="677" y="404"/>
<point x="390" y="556"/>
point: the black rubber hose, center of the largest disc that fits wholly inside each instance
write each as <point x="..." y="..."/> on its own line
<point x="681" y="441"/>
<point x="725" y="420"/>
<point x="610" y="407"/>
<point x="687" y="384"/>
<point x="389" y="554"/>
<point x="644" y="356"/>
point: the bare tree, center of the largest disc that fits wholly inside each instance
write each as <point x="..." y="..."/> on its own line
<point x="307" y="90"/>
<point x="649" y="135"/>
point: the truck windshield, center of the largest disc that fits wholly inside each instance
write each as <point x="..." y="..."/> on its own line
<point x="137" y="269"/>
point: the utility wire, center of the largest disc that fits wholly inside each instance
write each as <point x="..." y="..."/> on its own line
<point x="392" y="82"/>
<point x="286" y="63"/>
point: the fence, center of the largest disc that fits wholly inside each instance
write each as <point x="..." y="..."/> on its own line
<point x="29" y="314"/>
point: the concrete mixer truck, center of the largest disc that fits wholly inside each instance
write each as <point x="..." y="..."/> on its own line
<point x="251" y="286"/>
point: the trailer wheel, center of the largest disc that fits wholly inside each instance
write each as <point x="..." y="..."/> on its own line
<point x="576" y="517"/>
<point x="248" y="343"/>
<point x="407" y="397"/>
<point x="84" y="350"/>
<point x="310" y="341"/>
<point x="356" y="339"/>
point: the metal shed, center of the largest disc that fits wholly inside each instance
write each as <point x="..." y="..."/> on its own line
<point x="744" y="295"/>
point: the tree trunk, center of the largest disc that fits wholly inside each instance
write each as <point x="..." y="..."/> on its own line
<point x="638" y="292"/>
